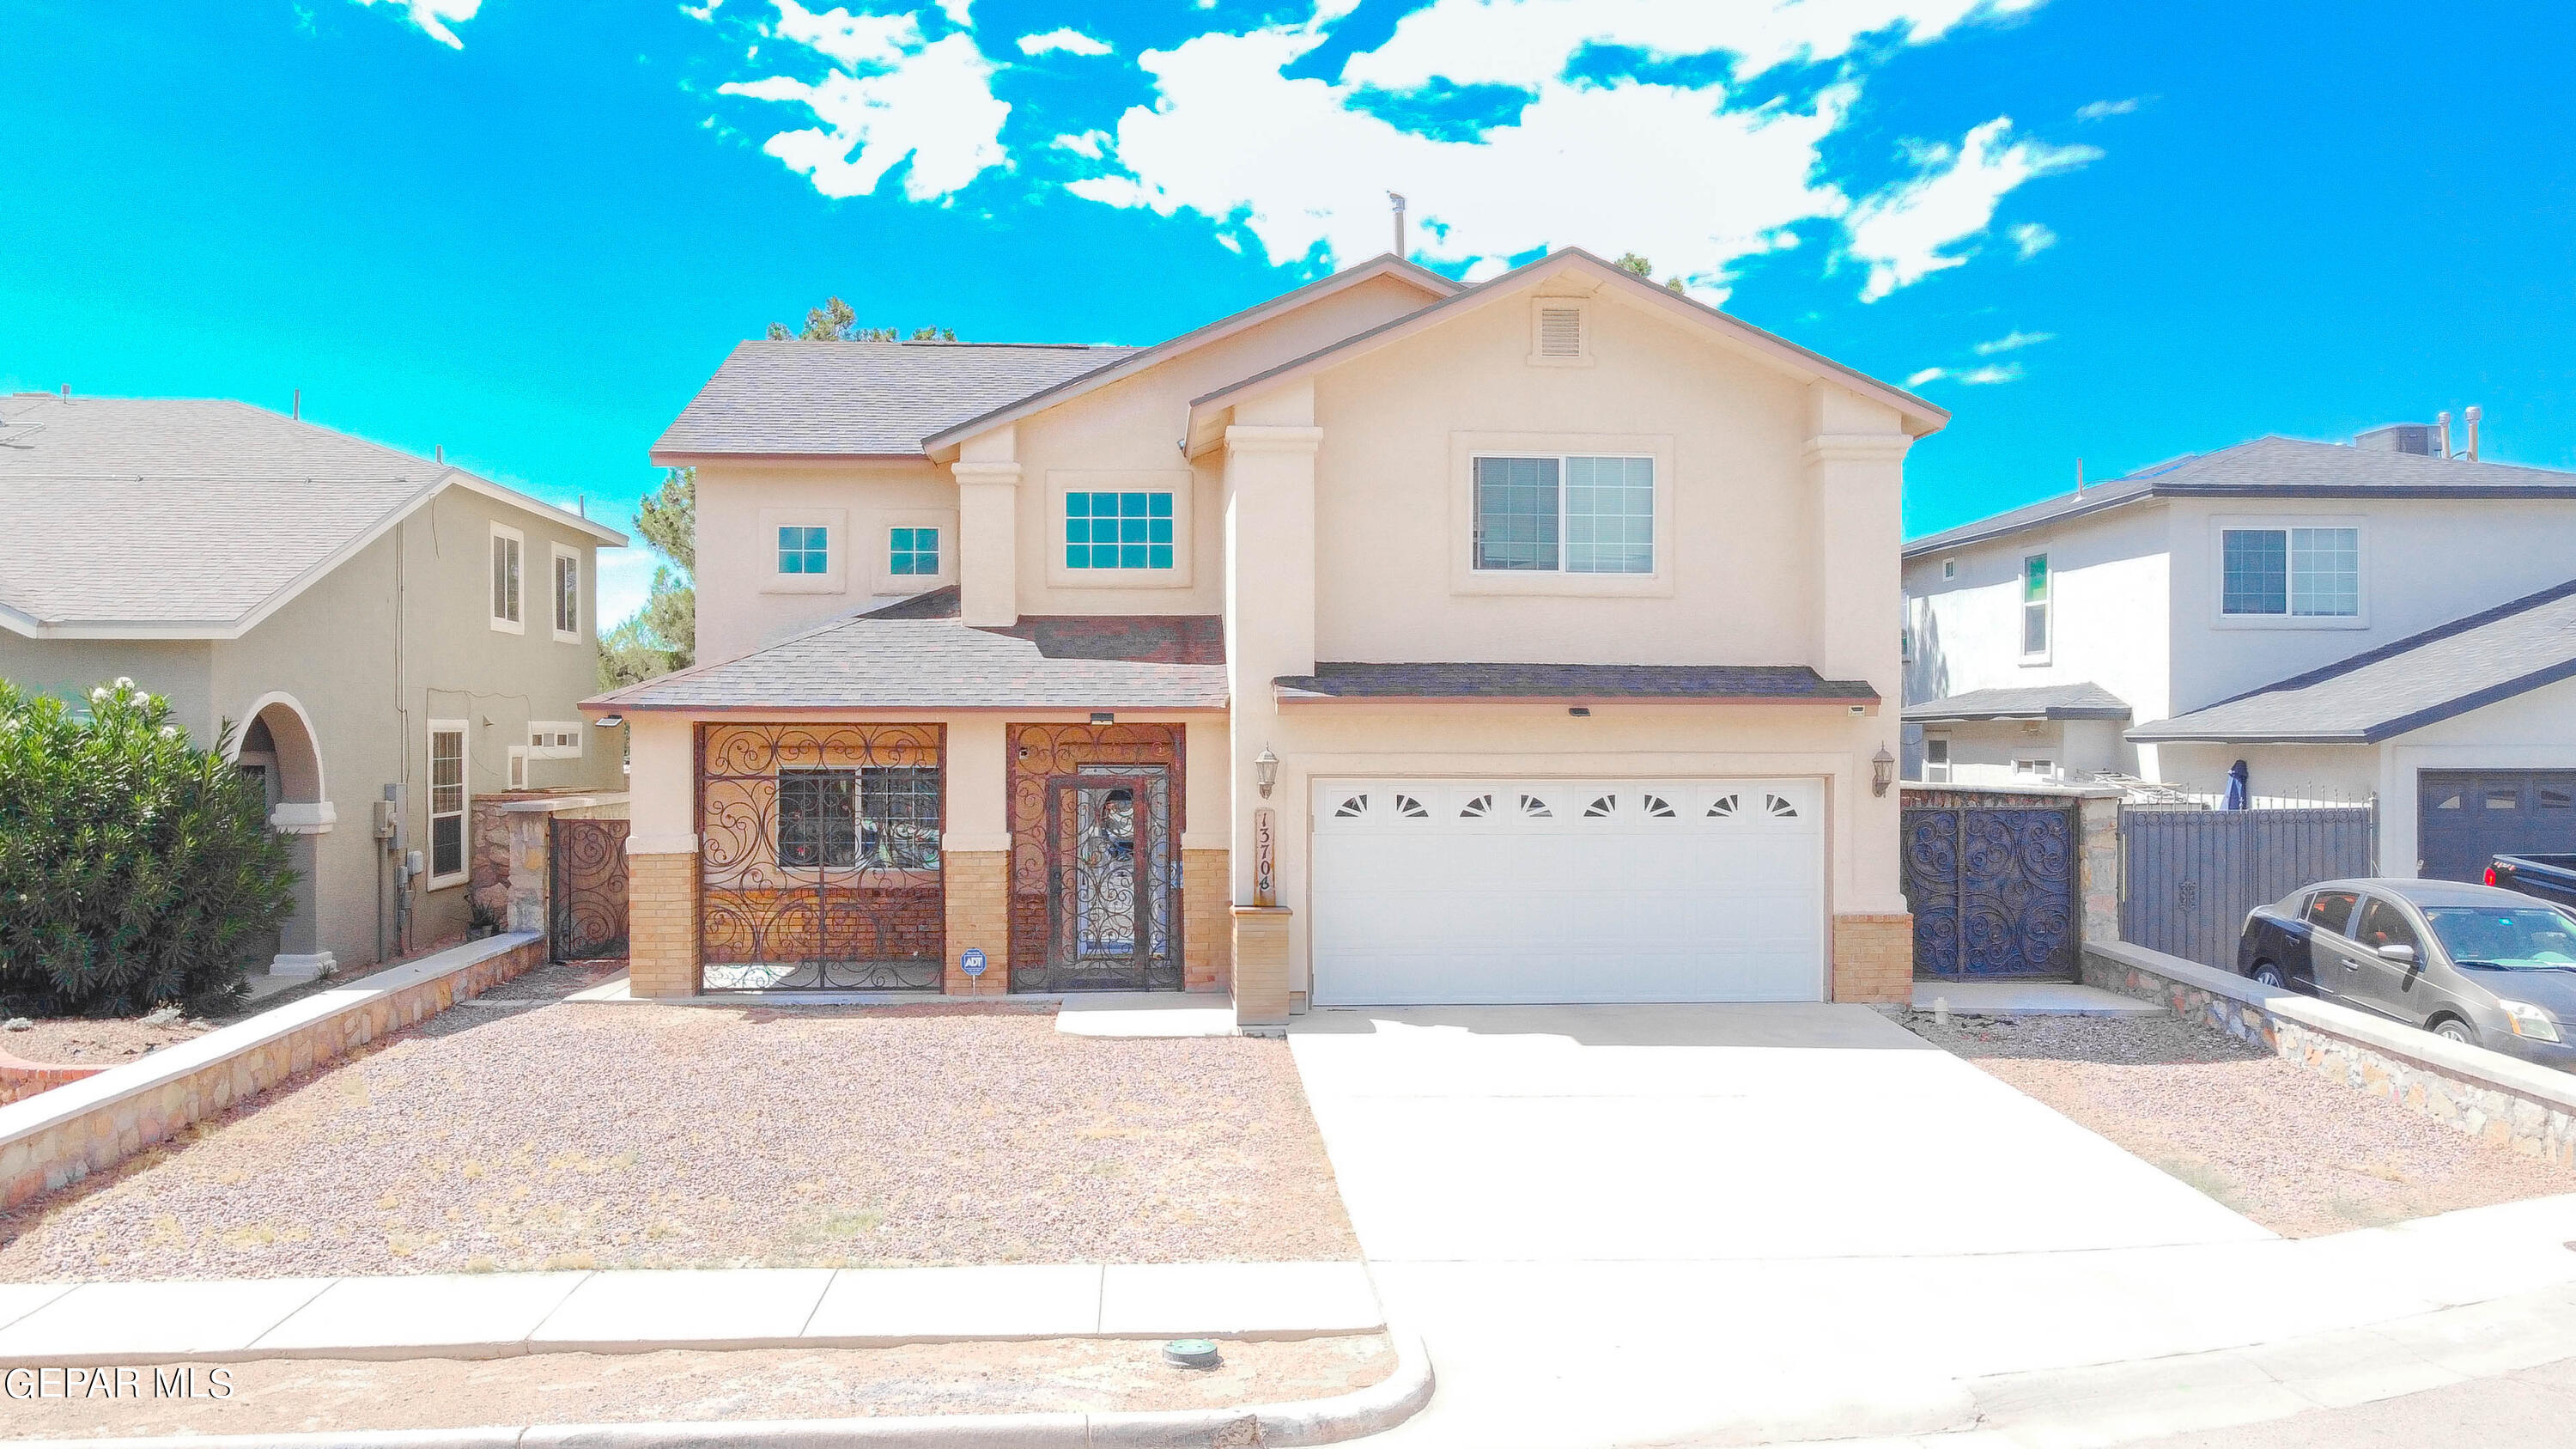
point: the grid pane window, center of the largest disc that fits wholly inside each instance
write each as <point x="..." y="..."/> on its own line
<point x="1516" y="514"/>
<point x="913" y="552"/>
<point x="804" y="550"/>
<point x="446" y="802"/>
<point x="818" y="817"/>
<point x="2255" y="569"/>
<point x="2325" y="572"/>
<point x="1118" y="530"/>
<point x="505" y="578"/>
<point x="899" y="815"/>
<point x="1609" y="515"/>
<point x="2034" y="604"/>
<point x="878" y="817"/>
<point x="567" y="594"/>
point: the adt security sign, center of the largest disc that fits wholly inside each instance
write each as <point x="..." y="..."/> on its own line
<point x="972" y="963"/>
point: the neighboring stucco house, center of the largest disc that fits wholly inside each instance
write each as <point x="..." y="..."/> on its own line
<point x="2372" y="620"/>
<point x="359" y="618"/>
<point x="1387" y="642"/>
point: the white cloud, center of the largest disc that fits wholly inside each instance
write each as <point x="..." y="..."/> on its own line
<point x="2003" y="372"/>
<point x="891" y="96"/>
<point x="957" y="12"/>
<point x="1089" y="144"/>
<point x="702" y="12"/>
<point x="2014" y="341"/>
<point x="1067" y="39"/>
<point x="2032" y="239"/>
<point x="1906" y="232"/>
<point x="1929" y="374"/>
<point x="2096" y="110"/>
<point x="435" y="16"/>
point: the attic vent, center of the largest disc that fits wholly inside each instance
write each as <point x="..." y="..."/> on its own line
<point x="1560" y="332"/>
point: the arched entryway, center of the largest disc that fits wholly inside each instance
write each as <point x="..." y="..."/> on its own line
<point x="277" y="745"/>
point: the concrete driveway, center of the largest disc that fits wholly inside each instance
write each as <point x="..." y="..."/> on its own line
<point x="1626" y="1224"/>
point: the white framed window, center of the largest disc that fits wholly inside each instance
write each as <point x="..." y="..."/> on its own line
<point x="554" y="739"/>
<point x="449" y="798"/>
<point x="1949" y="569"/>
<point x="518" y="767"/>
<point x="2290" y="572"/>
<point x="1560" y="332"/>
<point x="1936" y="759"/>
<point x="2038" y="627"/>
<point x="2036" y="767"/>
<point x="1564" y="513"/>
<point x="567" y="594"/>
<point x="803" y="550"/>
<point x="509" y="547"/>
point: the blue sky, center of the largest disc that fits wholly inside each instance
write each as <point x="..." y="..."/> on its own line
<point x="528" y="229"/>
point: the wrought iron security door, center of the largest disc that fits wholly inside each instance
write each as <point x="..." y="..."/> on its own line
<point x="1110" y="883"/>
<point x="1993" y="891"/>
<point x="586" y="888"/>
<point x="819" y="848"/>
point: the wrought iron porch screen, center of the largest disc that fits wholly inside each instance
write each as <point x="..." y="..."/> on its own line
<point x="819" y="855"/>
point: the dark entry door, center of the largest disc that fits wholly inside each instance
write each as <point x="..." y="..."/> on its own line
<point x="1993" y="891"/>
<point x="1110" y="886"/>
<point x="2466" y="817"/>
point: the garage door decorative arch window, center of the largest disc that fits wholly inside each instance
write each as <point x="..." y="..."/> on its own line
<point x="1602" y="806"/>
<point x="1477" y="809"/>
<point x="1355" y="806"/>
<point x="1779" y="808"/>
<point x="1659" y="808"/>
<point x="1536" y="808"/>
<point x="1724" y="806"/>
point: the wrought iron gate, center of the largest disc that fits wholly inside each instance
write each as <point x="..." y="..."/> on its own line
<point x="1111" y="878"/>
<point x="586" y="888"/>
<point x="2189" y="876"/>
<point x="819" y="857"/>
<point x="1993" y="890"/>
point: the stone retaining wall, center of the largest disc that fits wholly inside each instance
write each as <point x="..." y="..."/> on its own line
<point x="2511" y="1103"/>
<point x="64" y="1135"/>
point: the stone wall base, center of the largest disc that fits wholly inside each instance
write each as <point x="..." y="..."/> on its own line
<point x="1874" y="958"/>
<point x="662" y="924"/>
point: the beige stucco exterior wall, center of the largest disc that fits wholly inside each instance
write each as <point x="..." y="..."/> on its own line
<point x="744" y="602"/>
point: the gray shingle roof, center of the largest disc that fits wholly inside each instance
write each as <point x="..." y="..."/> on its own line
<point x="918" y="655"/>
<point x="2273" y="467"/>
<point x="2042" y="701"/>
<point x="1763" y="682"/>
<point x="182" y="512"/>
<point x="862" y="399"/>
<point x="2406" y="685"/>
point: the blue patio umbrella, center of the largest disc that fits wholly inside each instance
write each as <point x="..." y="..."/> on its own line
<point x="2236" y="788"/>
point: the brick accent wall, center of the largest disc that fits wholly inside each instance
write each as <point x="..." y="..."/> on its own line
<point x="662" y="924"/>
<point x="1261" y="966"/>
<point x="1207" y="928"/>
<point x="1874" y="958"/>
<point x="979" y="914"/>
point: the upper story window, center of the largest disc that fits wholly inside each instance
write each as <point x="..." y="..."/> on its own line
<point x="567" y="595"/>
<point x="2037" y="591"/>
<point x="507" y="547"/>
<point x="804" y="550"/>
<point x="2299" y="573"/>
<point x="1567" y="513"/>
<point x="912" y="552"/>
<point x="1125" y="530"/>
<point x="1936" y="759"/>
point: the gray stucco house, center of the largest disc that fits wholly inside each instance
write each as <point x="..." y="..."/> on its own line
<point x="385" y="637"/>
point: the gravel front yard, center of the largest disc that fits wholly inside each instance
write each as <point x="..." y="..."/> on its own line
<point x="2282" y="1145"/>
<point x="73" y="1041"/>
<point x="533" y="1133"/>
<point x="1088" y="1375"/>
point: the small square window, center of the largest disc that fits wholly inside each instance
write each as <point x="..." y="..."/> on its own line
<point x="804" y="550"/>
<point x="913" y="553"/>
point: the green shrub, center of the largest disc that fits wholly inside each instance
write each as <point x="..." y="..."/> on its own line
<point x="135" y="869"/>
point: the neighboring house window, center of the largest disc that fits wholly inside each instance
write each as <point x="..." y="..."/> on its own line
<point x="567" y="595"/>
<point x="1565" y="514"/>
<point x="2301" y="573"/>
<point x="1936" y="758"/>
<point x="554" y="739"/>
<point x="447" y="800"/>
<point x="1117" y="530"/>
<point x="1949" y="569"/>
<point x="804" y="550"/>
<point x="2038" y="768"/>
<point x="518" y="767"/>
<point x="913" y="552"/>
<point x="883" y="817"/>
<point x="2035" y="622"/>
<point x="507" y="546"/>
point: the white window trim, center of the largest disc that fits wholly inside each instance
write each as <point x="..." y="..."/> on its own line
<point x="2035" y="767"/>
<point x="882" y="579"/>
<point x="835" y="523"/>
<point x="502" y="623"/>
<point x="1175" y="481"/>
<point x="1949" y="569"/>
<point x="2220" y="525"/>
<point x="1582" y="310"/>
<point x="1946" y="764"/>
<point x="1466" y="578"/>
<point x="2047" y="608"/>
<point x="557" y="554"/>
<point x="517" y="778"/>
<point x="553" y="727"/>
<point x="465" y="781"/>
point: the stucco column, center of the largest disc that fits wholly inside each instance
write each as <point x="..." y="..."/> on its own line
<point x="975" y="853"/>
<point x="987" y="471"/>
<point x="1270" y="631"/>
<point x="662" y="856"/>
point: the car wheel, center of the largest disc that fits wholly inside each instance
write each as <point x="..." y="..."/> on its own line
<point x="2451" y="1028"/>
<point x="2267" y="974"/>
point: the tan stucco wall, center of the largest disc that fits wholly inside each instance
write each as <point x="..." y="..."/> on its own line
<point x="744" y="602"/>
<point x="179" y="670"/>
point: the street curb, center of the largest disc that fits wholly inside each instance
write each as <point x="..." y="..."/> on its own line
<point x="1379" y="1407"/>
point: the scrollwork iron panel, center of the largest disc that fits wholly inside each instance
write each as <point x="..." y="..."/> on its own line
<point x="586" y="888"/>
<point x="1109" y="893"/>
<point x="1992" y="890"/>
<point x="819" y="857"/>
<point x="1047" y="888"/>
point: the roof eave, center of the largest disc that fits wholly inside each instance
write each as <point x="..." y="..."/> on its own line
<point x="610" y="705"/>
<point x="1288" y="695"/>
<point x="692" y="458"/>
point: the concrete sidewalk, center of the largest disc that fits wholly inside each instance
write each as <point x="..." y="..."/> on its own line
<point x="499" y="1315"/>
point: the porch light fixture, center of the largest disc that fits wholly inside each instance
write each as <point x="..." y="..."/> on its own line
<point x="1265" y="771"/>
<point x="1882" y="771"/>
<point x="609" y="721"/>
<point x="1102" y="716"/>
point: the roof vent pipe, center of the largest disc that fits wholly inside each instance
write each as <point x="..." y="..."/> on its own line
<point x="296" y="409"/>
<point x="2442" y="442"/>
<point x="2079" y="477"/>
<point x="1396" y="199"/>
<point x="2473" y="415"/>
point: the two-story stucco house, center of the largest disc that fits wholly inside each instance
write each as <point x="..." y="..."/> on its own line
<point x="386" y="637"/>
<point x="1388" y="642"/>
<point x="2377" y="619"/>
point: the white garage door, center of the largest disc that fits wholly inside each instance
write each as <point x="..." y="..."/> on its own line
<point x="1429" y="892"/>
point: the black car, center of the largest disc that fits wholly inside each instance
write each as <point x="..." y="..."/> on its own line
<point x="2468" y="962"/>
